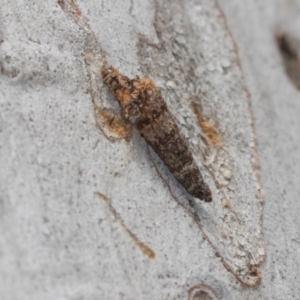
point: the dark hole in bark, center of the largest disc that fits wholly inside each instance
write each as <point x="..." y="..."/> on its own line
<point x="289" y="51"/>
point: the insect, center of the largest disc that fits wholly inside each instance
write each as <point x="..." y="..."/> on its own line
<point x="143" y="106"/>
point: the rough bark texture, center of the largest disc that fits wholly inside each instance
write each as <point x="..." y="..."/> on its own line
<point x="86" y="212"/>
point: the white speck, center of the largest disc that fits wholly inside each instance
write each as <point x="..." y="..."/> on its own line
<point x="171" y="84"/>
<point x="227" y="174"/>
<point x="198" y="8"/>
<point x="210" y="67"/>
<point x="180" y="40"/>
<point x="225" y="63"/>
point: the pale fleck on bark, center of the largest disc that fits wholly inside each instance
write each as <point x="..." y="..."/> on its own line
<point x="62" y="143"/>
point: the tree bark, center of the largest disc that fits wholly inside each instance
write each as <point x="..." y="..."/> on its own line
<point x="88" y="210"/>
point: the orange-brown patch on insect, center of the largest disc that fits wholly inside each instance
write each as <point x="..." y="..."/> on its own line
<point x="123" y="96"/>
<point x="208" y="129"/>
<point x="113" y="123"/>
<point x="145" y="84"/>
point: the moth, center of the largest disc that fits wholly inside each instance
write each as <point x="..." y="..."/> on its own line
<point x="143" y="106"/>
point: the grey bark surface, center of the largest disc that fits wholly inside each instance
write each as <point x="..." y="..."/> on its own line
<point x="59" y="160"/>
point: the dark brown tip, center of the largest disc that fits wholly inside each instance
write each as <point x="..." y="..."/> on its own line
<point x="204" y="195"/>
<point x="286" y="47"/>
<point x="208" y="198"/>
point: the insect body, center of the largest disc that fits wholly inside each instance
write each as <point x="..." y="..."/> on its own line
<point x="142" y="105"/>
